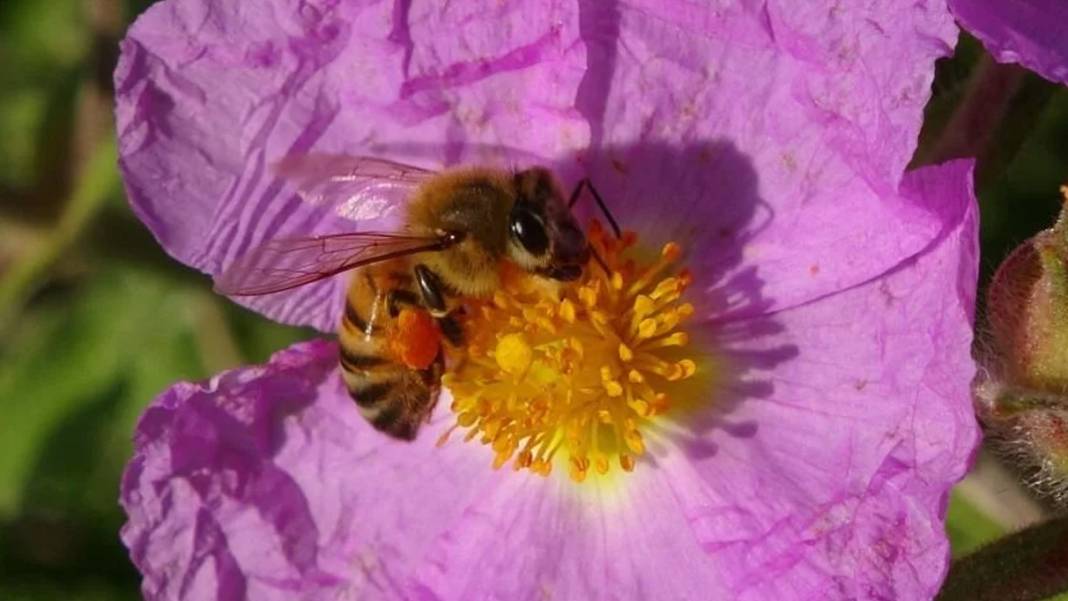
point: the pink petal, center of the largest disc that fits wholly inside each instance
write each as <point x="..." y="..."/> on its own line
<point x="822" y="474"/>
<point x="828" y="474"/>
<point x="1033" y="33"/>
<point x="766" y="128"/>
<point x="210" y="94"/>
<point x="533" y="539"/>
<point x="265" y="483"/>
<point x="770" y="134"/>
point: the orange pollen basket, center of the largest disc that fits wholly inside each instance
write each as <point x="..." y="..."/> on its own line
<point x="416" y="339"/>
<point x="574" y="371"/>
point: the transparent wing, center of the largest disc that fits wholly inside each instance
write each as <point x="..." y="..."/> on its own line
<point x="291" y="262"/>
<point x="357" y="187"/>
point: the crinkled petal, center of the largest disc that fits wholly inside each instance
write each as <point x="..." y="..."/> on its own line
<point x="773" y="507"/>
<point x="850" y="418"/>
<point x="770" y="134"/>
<point x="265" y="482"/>
<point x="1033" y="33"/>
<point x="760" y="133"/>
<point x="534" y="539"/>
<point x="210" y="94"/>
<point x="770" y="141"/>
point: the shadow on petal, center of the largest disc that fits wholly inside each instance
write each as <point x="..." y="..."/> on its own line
<point x="705" y="196"/>
<point x="207" y="456"/>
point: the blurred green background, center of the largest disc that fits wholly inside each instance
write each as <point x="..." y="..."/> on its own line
<point x="95" y="319"/>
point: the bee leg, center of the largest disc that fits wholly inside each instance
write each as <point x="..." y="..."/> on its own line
<point x="432" y="289"/>
<point x="586" y="183"/>
<point x="399" y="296"/>
<point x="451" y="329"/>
<point x="433" y="292"/>
<point x="432" y="378"/>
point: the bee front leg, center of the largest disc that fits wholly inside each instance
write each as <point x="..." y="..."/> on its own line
<point x="434" y="297"/>
<point x="398" y="297"/>
<point x="451" y="329"/>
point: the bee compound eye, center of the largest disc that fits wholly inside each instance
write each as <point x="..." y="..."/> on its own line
<point x="529" y="230"/>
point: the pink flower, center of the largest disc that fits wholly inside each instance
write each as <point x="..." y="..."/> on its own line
<point x="1029" y="32"/>
<point x="770" y="143"/>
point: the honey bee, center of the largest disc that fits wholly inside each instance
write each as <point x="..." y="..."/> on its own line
<point x="461" y="227"/>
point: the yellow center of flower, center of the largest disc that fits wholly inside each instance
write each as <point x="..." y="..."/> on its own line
<point x="553" y="371"/>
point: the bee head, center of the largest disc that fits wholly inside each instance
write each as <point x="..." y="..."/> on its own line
<point x="543" y="235"/>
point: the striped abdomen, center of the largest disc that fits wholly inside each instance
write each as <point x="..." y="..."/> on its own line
<point x="395" y="398"/>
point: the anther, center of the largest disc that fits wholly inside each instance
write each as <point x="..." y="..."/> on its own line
<point x="671" y="251"/>
<point x="575" y="369"/>
<point x="647" y="328"/>
<point x="601" y="464"/>
<point x="567" y="310"/>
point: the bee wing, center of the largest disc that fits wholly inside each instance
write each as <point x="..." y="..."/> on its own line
<point x="357" y="187"/>
<point x="287" y="263"/>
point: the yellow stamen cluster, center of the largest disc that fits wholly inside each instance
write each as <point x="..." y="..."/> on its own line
<point x="577" y="367"/>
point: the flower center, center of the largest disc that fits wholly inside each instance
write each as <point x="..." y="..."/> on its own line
<point x="574" y="370"/>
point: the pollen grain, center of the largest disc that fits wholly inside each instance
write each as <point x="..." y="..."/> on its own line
<point x="569" y="374"/>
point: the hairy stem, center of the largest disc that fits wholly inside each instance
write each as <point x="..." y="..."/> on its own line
<point x="1027" y="566"/>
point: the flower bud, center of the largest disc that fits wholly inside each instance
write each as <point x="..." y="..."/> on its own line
<point x="1031" y="427"/>
<point x="1028" y="308"/>
<point x="1023" y="396"/>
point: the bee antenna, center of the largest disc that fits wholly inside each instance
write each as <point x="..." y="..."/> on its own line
<point x="586" y="183"/>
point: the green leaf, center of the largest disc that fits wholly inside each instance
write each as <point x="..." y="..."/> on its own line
<point x="74" y="378"/>
<point x="258" y="337"/>
<point x="969" y="528"/>
<point x="21" y="112"/>
<point x="41" y="38"/>
<point x="1025" y="200"/>
<point x="77" y="369"/>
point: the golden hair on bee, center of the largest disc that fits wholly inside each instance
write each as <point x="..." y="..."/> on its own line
<point x="461" y="227"/>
